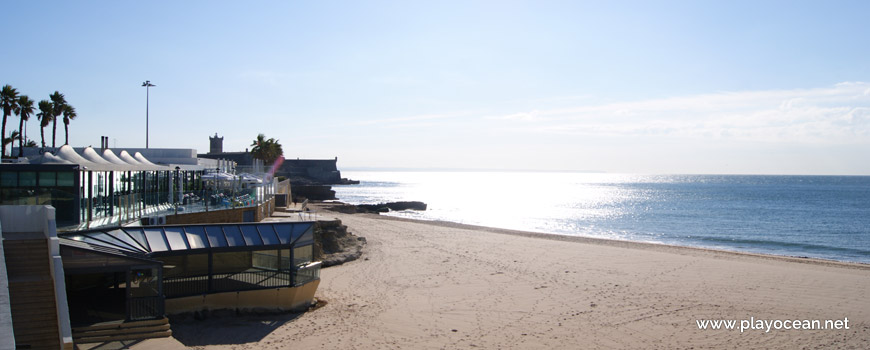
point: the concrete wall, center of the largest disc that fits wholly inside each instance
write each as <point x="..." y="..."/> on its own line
<point x="278" y="299"/>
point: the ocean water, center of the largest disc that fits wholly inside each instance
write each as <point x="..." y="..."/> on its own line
<point x="824" y="217"/>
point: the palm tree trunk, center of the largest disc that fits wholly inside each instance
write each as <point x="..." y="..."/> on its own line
<point x="42" y="135"/>
<point x="53" y="132"/>
<point x="66" y="133"/>
<point x="20" y="137"/>
<point x="2" y="136"/>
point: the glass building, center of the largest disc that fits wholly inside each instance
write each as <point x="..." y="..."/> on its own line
<point x="128" y="272"/>
<point x="90" y="189"/>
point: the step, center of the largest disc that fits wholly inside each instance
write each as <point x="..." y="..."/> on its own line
<point x="107" y="332"/>
<point x="119" y="325"/>
<point x="46" y="330"/>
<point x="38" y="343"/>
<point x="137" y="336"/>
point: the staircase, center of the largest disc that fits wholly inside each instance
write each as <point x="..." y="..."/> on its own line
<point x="136" y="330"/>
<point x="31" y="294"/>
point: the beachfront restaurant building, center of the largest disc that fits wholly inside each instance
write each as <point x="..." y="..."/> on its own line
<point x="141" y="273"/>
<point x="119" y="283"/>
<point x="95" y="189"/>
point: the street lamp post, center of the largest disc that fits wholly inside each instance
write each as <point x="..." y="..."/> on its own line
<point x="147" y="84"/>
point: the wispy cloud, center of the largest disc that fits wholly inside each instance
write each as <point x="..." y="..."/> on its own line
<point x="414" y="119"/>
<point x="836" y="114"/>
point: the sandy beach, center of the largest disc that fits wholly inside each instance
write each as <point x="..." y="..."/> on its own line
<point x="423" y="285"/>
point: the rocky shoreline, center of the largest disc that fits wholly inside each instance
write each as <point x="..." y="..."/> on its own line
<point x="334" y="245"/>
<point x="372" y="208"/>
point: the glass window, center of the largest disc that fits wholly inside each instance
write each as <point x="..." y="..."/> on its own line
<point x="231" y="262"/>
<point x="268" y="235"/>
<point x="216" y="236"/>
<point x="302" y="255"/>
<point x="285" y="231"/>
<point x="285" y="259"/>
<point x="9" y="179"/>
<point x="110" y="239"/>
<point x="265" y="259"/>
<point x="196" y="237"/>
<point x="27" y="178"/>
<point x="155" y="239"/>
<point x="252" y="237"/>
<point x="139" y="236"/>
<point x="266" y="230"/>
<point x="184" y="265"/>
<point x="120" y="235"/>
<point x="234" y="236"/>
<point x="307" y="237"/>
<point x="175" y="236"/>
<point x="47" y="179"/>
<point x="65" y="178"/>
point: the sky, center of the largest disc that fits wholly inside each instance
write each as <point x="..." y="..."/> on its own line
<point x="723" y="87"/>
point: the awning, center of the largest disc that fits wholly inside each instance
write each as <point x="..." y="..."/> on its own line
<point x="163" y="239"/>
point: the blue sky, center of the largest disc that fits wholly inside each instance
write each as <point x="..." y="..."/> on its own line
<point x="762" y="87"/>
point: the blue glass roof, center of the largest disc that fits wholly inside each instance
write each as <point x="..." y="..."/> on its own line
<point x="157" y="239"/>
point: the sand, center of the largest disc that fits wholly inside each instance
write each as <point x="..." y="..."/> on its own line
<point x="445" y="286"/>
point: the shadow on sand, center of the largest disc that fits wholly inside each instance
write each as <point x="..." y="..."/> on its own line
<point x="228" y="329"/>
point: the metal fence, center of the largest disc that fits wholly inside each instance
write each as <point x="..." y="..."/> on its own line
<point x="307" y="273"/>
<point x="174" y="287"/>
<point x="145" y="308"/>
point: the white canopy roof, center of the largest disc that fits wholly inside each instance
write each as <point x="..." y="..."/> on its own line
<point x="112" y="158"/>
<point x="93" y="157"/>
<point x="92" y="160"/>
<point x="126" y="157"/>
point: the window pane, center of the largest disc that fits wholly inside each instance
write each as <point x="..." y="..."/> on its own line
<point x="155" y="239"/>
<point x="175" y="236"/>
<point x="267" y="233"/>
<point x="184" y="265"/>
<point x="65" y="178"/>
<point x="27" y="178"/>
<point x="137" y="234"/>
<point x="9" y="179"/>
<point x="216" y="236"/>
<point x="234" y="236"/>
<point x="47" y="178"/>
<point x="307" y="237"/>
<point x="252" y="237"/>
<point x="265" y="259"/>
<point x="302" y="255"/>
<point x="266" y="230"/>
<point x="120" y="235"/>
<point x="196" y="237"/>
<point x="233" y="262"/>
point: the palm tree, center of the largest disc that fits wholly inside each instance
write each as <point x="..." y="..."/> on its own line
<point x="45" y="115"/>
<point x="9" y="102"/>
<point x="267" y="150"/>
<point x="10" y="139"/>
<point x="24" y="111"/>
<point x="58" y="105"/>
<point x="69" y="113"/>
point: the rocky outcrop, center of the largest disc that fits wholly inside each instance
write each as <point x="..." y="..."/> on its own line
<point x="333" y="245"/>
<point x="393" y="206"/>
<point x="372" y="208"/>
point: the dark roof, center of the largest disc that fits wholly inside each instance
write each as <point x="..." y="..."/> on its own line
<point x="156" y="239"/>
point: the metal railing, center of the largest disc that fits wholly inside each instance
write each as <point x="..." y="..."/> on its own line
<point x="307" y="273"/>
<point x="174" y="287"/>
<point x="145" y="308"/>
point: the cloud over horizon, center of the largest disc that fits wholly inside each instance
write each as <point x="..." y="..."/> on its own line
<point x="836" y="114"/>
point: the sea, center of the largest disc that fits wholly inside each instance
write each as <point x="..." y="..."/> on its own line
<point x="826" y="217"/>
